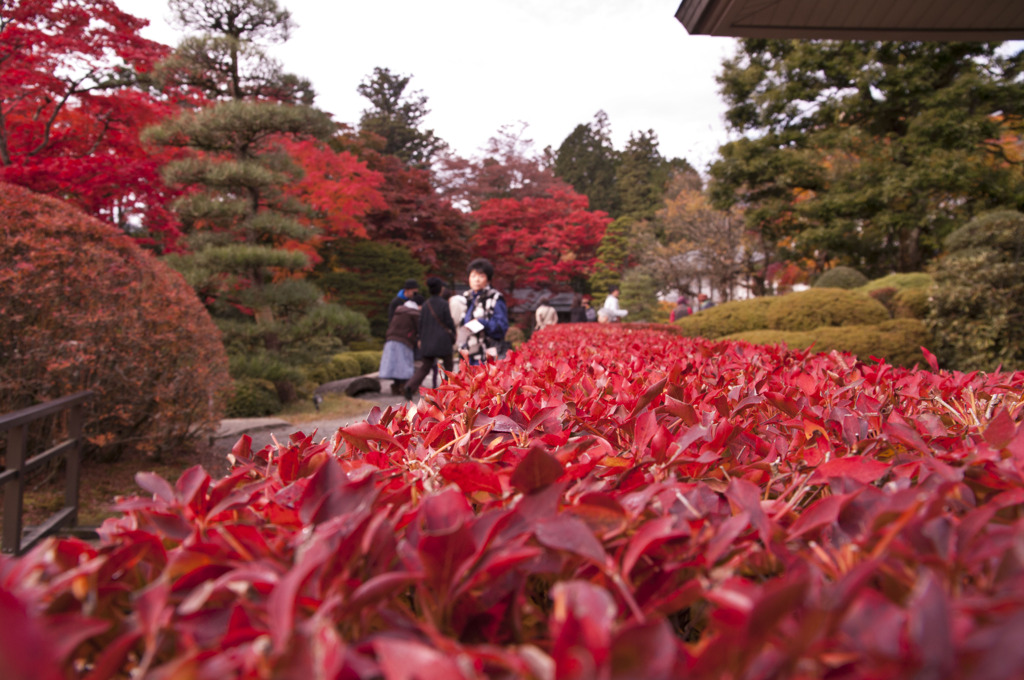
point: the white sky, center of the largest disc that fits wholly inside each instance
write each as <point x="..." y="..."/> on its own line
<point x="482" y="64"/>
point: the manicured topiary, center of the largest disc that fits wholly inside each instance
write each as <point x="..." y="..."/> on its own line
<point x="977" y="312"/>
<point x="885" y="296"/>
<point x="369" y="361"/>
<point x="920" y="280"/>
<point x="898" y="341"/>
<point x="366" y="275"/>
<point x="911" y="303"/>
<point x="338" y="367"/>
<point x="819" y="307"/>
<point x="82" y="306"/>
<point x="727" y="318"/>
<point x="841" y="277"/>
<point x="253" y="398"/>
<point x="806" y="310"/>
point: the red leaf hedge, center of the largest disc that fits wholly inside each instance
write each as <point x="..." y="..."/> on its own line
<point x="607" y="503"/>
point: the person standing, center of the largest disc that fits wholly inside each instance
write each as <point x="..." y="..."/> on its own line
<point x="457" y="306"/>
<point x="681" y="309"/>
<point x="576" y="313"/>
<point x="404" y="295"/>
<point x="545" y="316"/>
<point x="486" y="316"/>
<point x="611" y="305"/>
<point x="437" y="336"/>
<point x="398" y="361"/>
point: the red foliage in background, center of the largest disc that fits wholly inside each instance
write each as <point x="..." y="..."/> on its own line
<point x="608" y="502"/>
<point x="413" y="214"/>
<point x="339" y="187"/>
<point x="71" y="110"/>
<point x="539" y="241"/>
<point x="83" y="307"/>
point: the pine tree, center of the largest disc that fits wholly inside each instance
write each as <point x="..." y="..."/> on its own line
<point x="397" y="117"/>
<point x="613" y="256"/>
<point x="243" y="226"/>
<point x="587" y="161"/>
<point x="869" y="153"/>
<point x="642" y="176"/>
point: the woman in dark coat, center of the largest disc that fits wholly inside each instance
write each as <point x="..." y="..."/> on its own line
<point x="437" y="336"/>
<point x="397" y="362"/>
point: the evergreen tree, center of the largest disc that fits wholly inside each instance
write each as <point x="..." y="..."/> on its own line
<point x="397" y="117"/>
<point x="977" y="303"/>
<point x="613" y="255"/>
<point x="587" y="160"/>
<point x="242" y="224"/>
<point x="367" y="275"/>
<point x="227" y="60"/>
<point x="643" y="174"/>
<point x="639" y="294"/>
<point x="869" y="153"/>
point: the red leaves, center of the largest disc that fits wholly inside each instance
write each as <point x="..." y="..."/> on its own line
<point x="537" y="469"/>
<point x="72" y="113"/>
<point x="586" y="508"/>
<point x="540" y="239"/>
<point x="472" y="476"/>
<point x="27" y="648"/>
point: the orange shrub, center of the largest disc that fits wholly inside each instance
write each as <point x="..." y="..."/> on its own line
<point x="82" y="306"/>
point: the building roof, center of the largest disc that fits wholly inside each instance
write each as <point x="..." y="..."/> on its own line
<point x="856" y="19"/>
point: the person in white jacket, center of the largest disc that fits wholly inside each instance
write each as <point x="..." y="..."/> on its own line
<point x="611" y="305"/>
<point x="545" y="316"/>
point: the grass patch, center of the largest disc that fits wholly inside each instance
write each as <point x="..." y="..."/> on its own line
<point x="333" y="406"/>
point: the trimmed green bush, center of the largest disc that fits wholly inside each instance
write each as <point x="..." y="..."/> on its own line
<point x="369" y="361"/>
<point x="898" y="341"/>
<point x="911" y="303"/>
<point x="640" y="296"/>
<point x="847" y="278"/>
<point x="885" y="296"/>
<point x="727" y="318"/>
<point x="515" y="336"/>
<point x="819" y="307"/>
<point x="338" y="367"/>
<point x="803" y="311"/>
<point x="977" y="312"/>
<point x="920" y="280"/>
<point x="366" y="275"/>
<point x="253" y="398"/>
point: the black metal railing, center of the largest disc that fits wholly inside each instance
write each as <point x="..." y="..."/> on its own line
<point x="17" y="467"/>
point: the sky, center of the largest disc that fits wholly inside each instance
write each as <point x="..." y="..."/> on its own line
<point x="485" y="64"/>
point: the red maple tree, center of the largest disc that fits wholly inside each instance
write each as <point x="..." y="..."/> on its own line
<point x="539" y="241"/>
<point x="414" y="215"/>
<point x="339" y="187"/>
<point x="507" y="168"/>
<point x="71" y="109"/>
